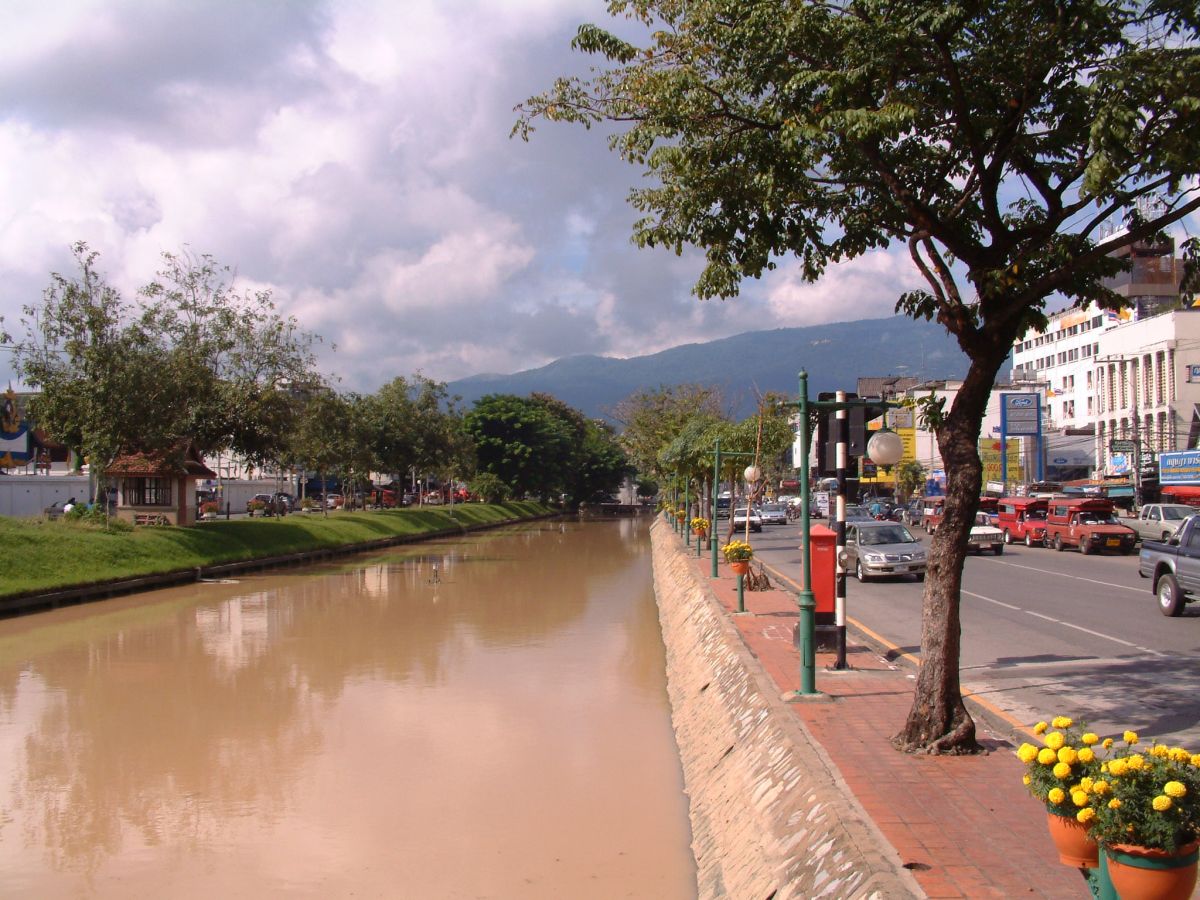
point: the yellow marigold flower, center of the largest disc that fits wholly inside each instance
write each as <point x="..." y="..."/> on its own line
<point x="1130" y="737"/>
<point x="1179" y="754"/>
<point x="1136" y="762"/>
<point x="1158" y="751"/>
<point x="1067" y="755"/>
<point x="1161" y="803"/>
<point x="1114" y="803"/>
<point x="1118" y="767"/>
<point x="1040" y="728"/>
<point x="1056" y="795"/>
<point x="1061" y="722"/>
<point x="1100" y="788"/>
<point x="1062" y="770"/>
<point x="1175" y="789"/>
<point x="1025" y="779"/>
<point x="1027" y="753"/>
<point x="1055" y="740"/>
<point x="1086" y="784"/>
<point x="1108" y="742"/>
<point x="1087" y="755"/>
<point x="1046" y="756"/>
<point x="1079" y="798"/>
<point x="1196" y="760"/>
<point x="1085" y="815"/>
<point x="1089" y="738"/>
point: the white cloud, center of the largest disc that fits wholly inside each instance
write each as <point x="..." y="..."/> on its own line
<point x="862" y="288"/>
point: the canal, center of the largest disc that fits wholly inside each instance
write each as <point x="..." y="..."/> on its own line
<point x="479" y="718"/>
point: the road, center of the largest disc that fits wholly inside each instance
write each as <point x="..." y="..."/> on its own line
<point x="1047" y="633"/>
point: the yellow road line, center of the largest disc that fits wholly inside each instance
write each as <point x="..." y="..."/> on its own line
<point x="916" y="660"/>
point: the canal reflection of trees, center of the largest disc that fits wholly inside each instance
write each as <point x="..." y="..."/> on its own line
<point x="155" y="732"/>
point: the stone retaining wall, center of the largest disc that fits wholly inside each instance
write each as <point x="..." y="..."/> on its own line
<point x="771" y="816"/>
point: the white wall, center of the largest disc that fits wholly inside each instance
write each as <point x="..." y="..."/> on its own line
<point x="28" y="495"/>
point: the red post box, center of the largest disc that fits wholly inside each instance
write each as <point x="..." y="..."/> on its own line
<point x="822" y="543"/>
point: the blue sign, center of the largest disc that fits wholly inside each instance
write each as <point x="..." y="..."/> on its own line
<point x="1179" y="467"/>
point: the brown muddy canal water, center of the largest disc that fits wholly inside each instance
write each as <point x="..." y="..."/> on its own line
<point x="478" y="718"/>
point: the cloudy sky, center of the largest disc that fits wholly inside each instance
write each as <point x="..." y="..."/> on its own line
<point x="353" y="156"/>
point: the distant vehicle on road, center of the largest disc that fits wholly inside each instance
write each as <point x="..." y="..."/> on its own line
<point x="853" y="514"/>
<point x="912" y="513"/>
<point x="985" y="536"/>
<point x="1173" y="567"/>
<point x="883" y="548"/>
<point x="724" y="504"/>
<point x="740" y="516"/>
<point x="333" y="501"/>
<point x="773" y="513"/>
<point x="1158" y="521"/>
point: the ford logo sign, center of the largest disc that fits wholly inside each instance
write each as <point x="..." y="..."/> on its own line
<point x="1060" y="460"/>
<point x="1020" y="402"/>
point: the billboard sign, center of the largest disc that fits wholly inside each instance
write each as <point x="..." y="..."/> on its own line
<point x="1179" y="467"/>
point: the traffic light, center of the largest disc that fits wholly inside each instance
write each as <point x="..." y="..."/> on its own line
<point x="856" y="446"/>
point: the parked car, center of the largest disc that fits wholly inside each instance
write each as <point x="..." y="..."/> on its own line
<point x="740" y="517"/>
<point x="985" y="536"/>
<point x="1089" y="524"/>
<point x="1023" y="519"/>
<point x="333" y="501"/>
<point x="773" y="513"/>
<point x="1158" y="521"/>
<point x="1173" y="567"/>
<point x="883" y="548"/>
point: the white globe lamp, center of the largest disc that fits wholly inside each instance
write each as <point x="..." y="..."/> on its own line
<point x="752" y="473"/>
<point x="885" y="448"/>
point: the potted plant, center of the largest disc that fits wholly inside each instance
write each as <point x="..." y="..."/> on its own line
<point x="308" y="505"/>
<point x="1061" y="774"/>
<point x="1147" y="818"/>
<point x="738" y="554"/>
<point x="700" y="526"/>
<point x="255" y="506"/>
<point x="209" y="509"/>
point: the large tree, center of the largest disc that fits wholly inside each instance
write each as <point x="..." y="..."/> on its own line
<point x="651" y="419"/>
<point x="999" y="142"/>
<point x="190" y="361"/>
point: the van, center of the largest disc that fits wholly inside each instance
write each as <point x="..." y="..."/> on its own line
<point x="932" y="513"/>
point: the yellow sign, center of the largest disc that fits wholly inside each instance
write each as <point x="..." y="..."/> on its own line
<point x="908" y="439"/>
<point x="989" y="455"/>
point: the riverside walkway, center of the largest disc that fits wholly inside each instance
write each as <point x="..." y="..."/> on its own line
<point x="964" y="826"/>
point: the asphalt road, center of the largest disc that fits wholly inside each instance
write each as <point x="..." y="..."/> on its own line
<point x="1047" y="633"/>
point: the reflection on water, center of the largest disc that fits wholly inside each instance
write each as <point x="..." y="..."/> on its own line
<point x="483" y="718"/>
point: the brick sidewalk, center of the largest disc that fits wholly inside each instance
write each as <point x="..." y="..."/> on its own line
<point x="964" y="825"/>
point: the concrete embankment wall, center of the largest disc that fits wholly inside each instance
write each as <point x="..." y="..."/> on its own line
<point x="771" y="817"/>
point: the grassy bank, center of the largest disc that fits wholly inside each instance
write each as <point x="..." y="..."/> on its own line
<point x="45" y="556"/>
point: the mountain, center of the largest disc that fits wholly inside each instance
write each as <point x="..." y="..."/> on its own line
<point x="742" y="366"/>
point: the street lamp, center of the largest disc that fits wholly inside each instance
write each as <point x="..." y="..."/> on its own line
<point x="885" y="448"/>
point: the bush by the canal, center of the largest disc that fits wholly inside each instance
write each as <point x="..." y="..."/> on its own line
<point x="51" y="555"/>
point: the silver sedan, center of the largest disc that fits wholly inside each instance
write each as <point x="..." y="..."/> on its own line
<point x="883" y="548"/>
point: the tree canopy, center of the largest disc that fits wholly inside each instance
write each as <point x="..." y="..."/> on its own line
<point x="1011" y="147"/>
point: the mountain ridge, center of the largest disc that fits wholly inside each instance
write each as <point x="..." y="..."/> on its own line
<point x="741" y="366"/>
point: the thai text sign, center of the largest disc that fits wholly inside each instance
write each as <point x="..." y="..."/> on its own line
<point x="1180" y="467"/>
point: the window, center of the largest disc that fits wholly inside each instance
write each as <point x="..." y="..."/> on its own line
<point x="147" y="491"/>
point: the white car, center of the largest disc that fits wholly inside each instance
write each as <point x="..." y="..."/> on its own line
<point x="773" y="514"/>
<point x="985" y="535"/>
<point x="739" y="519"/>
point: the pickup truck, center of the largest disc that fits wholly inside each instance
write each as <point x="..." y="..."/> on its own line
<point x="1158" y="521"/>
<point x="1173" y="567"/>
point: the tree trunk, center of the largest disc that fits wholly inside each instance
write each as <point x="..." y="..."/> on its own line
<point x="938" y="721"/>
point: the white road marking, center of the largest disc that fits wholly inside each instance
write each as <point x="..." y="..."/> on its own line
<point x="1099" y="634"/>
<point x="1124" y="587"/>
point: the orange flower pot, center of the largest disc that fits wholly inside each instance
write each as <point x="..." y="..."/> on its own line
<point x="1139" y="873"/>
<point x="741" y="567"/>
<point x="1074" y="842"/>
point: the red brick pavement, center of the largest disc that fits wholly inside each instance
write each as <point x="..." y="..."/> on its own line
<point x="964" y="825"/>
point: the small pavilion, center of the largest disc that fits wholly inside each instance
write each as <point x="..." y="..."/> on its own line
<point x="158" y="488"/>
